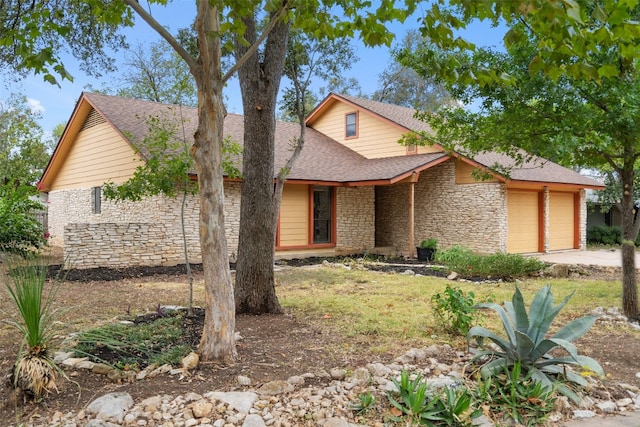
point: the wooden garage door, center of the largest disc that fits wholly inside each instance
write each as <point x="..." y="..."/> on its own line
<point x="561" y="221"/>
<point x="522" y="221"/>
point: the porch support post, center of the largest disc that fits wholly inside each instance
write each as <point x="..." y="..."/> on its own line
<point x="412" y="246"/>
<point x="412" y="186"/>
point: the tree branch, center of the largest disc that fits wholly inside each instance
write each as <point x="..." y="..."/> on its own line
<point x="191" y="62"/>
<point x="252" y="49"/>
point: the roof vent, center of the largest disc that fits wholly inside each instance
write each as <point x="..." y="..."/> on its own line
<point x="93" y="119"/>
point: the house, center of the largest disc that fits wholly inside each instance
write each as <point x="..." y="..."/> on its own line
<point x="353" y="189"/>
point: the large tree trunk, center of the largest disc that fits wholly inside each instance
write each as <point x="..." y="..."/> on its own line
<point x="218" y="335"/>
<point x="259" y="83"/>
<point x="629" y="234"/>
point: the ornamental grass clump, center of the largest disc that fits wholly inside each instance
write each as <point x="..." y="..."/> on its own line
<point x="526" y="343"/>
<point x="34" y="371"/>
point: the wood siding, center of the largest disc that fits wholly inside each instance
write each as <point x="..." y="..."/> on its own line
<point x="464" y="174"/>
<point x="294" y="216"/>
<point x="99" y="154"/>
<point x="561" y="221"/>
<point x="376" y="136"/>
<point x="523" y="221"/>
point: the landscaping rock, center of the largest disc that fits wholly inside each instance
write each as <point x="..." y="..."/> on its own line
<point x="190" y="361"/>
<point x="111" y="407"/>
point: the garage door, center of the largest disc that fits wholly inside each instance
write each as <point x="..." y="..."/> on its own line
<point x="561" y="221"/>
<point x="522" y="221"/>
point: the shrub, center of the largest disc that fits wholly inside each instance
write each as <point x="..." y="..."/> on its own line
<point x="499" y="265"/>
<point x="526" y="343"/>
<point x="605" y="235"/>
<point x="20" y="230"/>
<point x="454" y="309"/>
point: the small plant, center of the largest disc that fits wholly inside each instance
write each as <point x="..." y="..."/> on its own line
<point x="454" y="309"/>
<point x="413" y="400"/>
<point x="457" y="409"/>
<point x="526" y="342"/>
<point x="452" y="407"/>
<point x="429" y="243"/>
<point x="364" y="403"/>
<point x="34" y="371"/>
<point x="516" y="399"/>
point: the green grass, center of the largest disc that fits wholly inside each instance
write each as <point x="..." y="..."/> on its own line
<point x="388" y="311"/>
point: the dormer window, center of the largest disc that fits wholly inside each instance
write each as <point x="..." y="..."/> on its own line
<point x="351" y="125"/>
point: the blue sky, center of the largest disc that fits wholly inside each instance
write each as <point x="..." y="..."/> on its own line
<point x="56" y="103"/>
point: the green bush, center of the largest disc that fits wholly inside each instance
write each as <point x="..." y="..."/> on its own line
<point x="499" y="265"/>
<point x="454" y="310"/>
<point x="20" y="230"/>
<point x="605" y="235"/>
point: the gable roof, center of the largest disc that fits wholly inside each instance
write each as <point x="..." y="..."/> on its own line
<point x="323" y="160"/>
<point x="535" y="170"/>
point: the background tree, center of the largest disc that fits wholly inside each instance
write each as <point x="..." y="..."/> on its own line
<point x="312" y="60"/>
<point x="569" y="94"/>
<point x="20" y="230"/>
<point x="401" y="85"/>
<point x="24" y="150"/>
<point x="156" y="73"/>
<point x="259" y="83"/>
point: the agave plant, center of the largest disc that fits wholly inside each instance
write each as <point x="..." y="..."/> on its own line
<point x="526" y="342"/>
<point x="34" y="371"/>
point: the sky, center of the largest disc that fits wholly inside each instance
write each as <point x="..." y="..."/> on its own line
<point x="56" y="104"/>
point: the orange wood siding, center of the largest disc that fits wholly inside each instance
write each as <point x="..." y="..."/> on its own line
<point x="464" y="174"/>
<point x="561" y="221"/>
<point x="523" y="221"/>
<point x="99" y="154"/>
<point x="376" y="137"/>
<point x="294" y="216"/>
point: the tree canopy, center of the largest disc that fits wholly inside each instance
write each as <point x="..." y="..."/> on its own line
<point x="24" y="148"/>
<point x="566" y="87"/>
<point x="402" y="85"/>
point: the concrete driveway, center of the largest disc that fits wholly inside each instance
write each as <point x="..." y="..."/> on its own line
<point x="603" y="257"/>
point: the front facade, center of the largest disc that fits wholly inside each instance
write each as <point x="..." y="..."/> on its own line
<point x="353" y="190"/>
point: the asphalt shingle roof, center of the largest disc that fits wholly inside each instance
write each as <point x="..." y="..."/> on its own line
<point x="322" y="158"/>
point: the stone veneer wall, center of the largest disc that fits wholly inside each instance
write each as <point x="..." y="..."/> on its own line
<point x="355" y="211"/>
<point x="473" y="215"/>
<point x="71" y="218"/>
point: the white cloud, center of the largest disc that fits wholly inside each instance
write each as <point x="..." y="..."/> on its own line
<point x="35" y="105"/>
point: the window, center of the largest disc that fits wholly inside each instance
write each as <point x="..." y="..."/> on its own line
<point x="412" y="149"/>
<point x="351" y="125"/>
<point x="322" y="208"/>
<point x="96" y="200"/>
